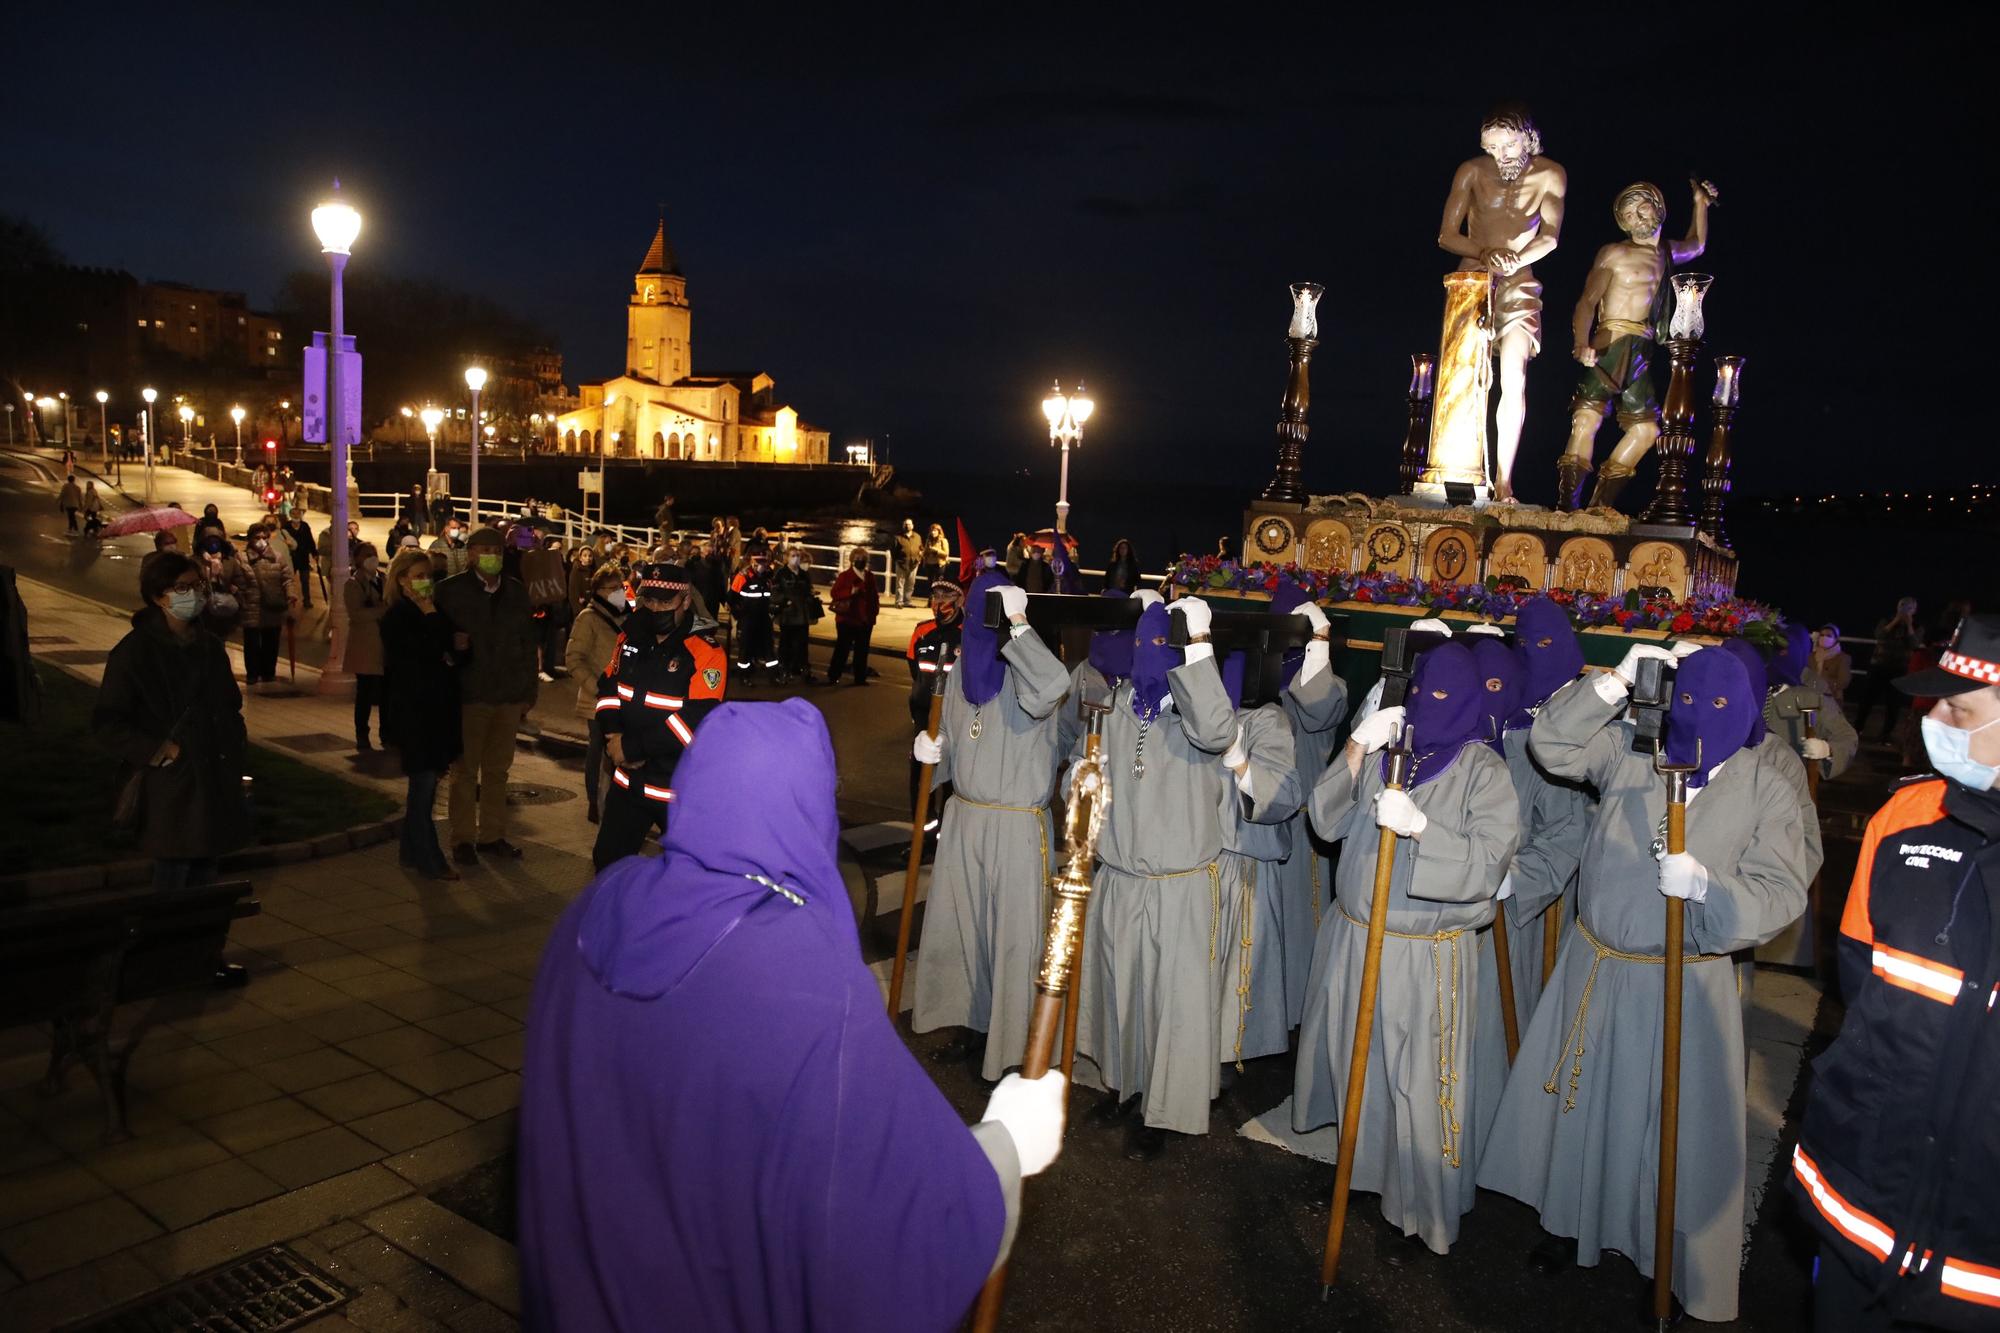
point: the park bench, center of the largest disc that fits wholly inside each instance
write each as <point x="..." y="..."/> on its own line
<point x="70" y="960"/>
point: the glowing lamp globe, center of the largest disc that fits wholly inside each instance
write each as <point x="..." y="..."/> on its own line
<point x="475" y="378"/>
<point x="336" y="224"/>
<point x="1081" y="405"/>
<point x="149" y="395"/>
<point x="236" y="415"/>
<point x="1055" y="406"/>
<point x="187" y="413"/>
<point x="431" y="417"/>
<point x="102" y="397"/>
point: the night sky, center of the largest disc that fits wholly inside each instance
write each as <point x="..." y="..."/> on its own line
<point x="913" y="228"/>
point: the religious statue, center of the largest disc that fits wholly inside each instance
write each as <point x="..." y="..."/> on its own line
<point x="1504" y="213"/>
<point x="1622" y="312"/>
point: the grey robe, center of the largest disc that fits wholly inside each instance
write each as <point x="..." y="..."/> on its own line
<point x="1305" y="878"/>
<point x="1417" y="1142"/>
<point x="996" y="848"/>
<point x="1257" y="812"/>
<point x="1159" y="922"/>
<point x="1792" y="945"/>
<point x="1555" y="817"/>
<point x="1578" y="1138"/>
<point x="1784" y="714"/>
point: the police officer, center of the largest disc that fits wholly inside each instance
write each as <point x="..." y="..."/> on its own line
<point x="933" y="644"/>
<point x="1896" y="1161"/>
<point x="750" y="604"/>
<point x="665" y="675"/>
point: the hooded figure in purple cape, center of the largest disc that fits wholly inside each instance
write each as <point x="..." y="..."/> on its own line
<point x="1578" y="1130"/>
<point x="1456" y="827"/>
<point x="719" y="1125"/>
<point x="997" y="746"/>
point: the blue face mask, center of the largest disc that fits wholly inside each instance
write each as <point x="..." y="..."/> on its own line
<point x="1950" y="750"/>
<point x="184" y="604"/>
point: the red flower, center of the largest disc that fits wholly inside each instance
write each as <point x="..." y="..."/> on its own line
<point x="1682" y="623"/>
<point x="1363" y="595"/>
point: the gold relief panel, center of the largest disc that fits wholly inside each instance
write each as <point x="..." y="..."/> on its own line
<point x="1386" y="548"/>
<point x="1329" y="545"/>
<point x="1519" y="555"/>
<point x="1585" y="564"/>
<point x="1272" y="537"/>
<point x="1657" y="565"/>
<point x="1451" y="554"/>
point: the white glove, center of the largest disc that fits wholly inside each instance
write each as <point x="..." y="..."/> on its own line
<point x="1395" y="811"/>
<point x="1236" y="756"/>
<point x="1493" y="630"/>
<point x="1031" y="1111"/>
<point x="1314" y="616"/>
<point x="1628" y="670"/>
<point x="1370" y="701"/>
<point x="1682" y="649"/>
<point x="1506" y="889"/>
<point x="1815" y="747"/>
<point x="1378" y="729"/>
<point x="1683" y="877"/>
<point x="1433" y="624"/>
<point x="1146" y="597"/>
<point x="1196" y="614"/>
<point x="1014" y="601"/>
<point x="927" y="749"/>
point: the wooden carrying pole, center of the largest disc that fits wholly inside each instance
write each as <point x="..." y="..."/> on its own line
<point x="1062" y="947"/>
<point x="1552" y="931"/>
<point x="1398" y="756"/>
<point x="1503" y="960"/>
<point x="1670" y="1053"/>
<point x="916" y="861"/>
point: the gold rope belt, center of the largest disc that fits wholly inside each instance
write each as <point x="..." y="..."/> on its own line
<point x="988" y="805"/>
<point x="1448" y="1025"/>
<point x="1243" y="969"/>
<point x="1040" y="828"/>
<point x="1602" y="952"/>
<point x="1214" y="871"/>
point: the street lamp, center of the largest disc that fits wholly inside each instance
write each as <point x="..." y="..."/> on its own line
<point x="1066" y="416"/>
<point x="103" y="432"/>
<point x="431" y="418"/>
<point x="187" y="424"/>
<point x="32" y="424"/>
<point x="408" y="413"/>
<point x="337" y="225"/>
<point x="149" y="394"/>
<point x="67" y="424"/>
<point x="236" y="415"/>
<point x="475" y="380"/>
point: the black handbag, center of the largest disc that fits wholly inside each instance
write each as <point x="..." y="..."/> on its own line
<point x="125" y="810"/>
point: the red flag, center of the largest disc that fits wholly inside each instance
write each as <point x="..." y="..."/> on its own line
<point x="967" y="557"/>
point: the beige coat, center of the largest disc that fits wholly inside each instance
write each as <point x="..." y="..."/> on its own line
<point x="592" y="639"/>
<point x="272" y="581"/>
<point x="365" y="606"/>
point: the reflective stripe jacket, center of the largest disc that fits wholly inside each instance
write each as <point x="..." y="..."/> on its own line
<point x="655" y="694"/>
<point x="1899" y="1155"/>
<point x="927" y="643"/>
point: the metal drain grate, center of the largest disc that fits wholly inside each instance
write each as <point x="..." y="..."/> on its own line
<point x="264" y="1292"/>
<point x="523" y="793"/>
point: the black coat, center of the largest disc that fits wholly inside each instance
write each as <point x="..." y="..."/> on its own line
<point x="159" y="686"/>
<point x="420" y="713"/>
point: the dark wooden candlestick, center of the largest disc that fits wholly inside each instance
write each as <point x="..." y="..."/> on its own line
<point x="1676" y="443"/>
<point x="1715" y="478"/>
<point x="1417" y="440"/>
<point x="1285" y="485"/>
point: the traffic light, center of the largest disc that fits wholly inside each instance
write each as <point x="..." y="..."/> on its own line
<point x="271" y="496"/>
<point x="270" y="450"/>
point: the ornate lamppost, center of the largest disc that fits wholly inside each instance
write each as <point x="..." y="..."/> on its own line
<point x="103" y="430"/>
<point x="151" y="395"/>
<point x="475" y="380"/>
<point x="236" y="415"/>
<point x="337" y="225"/>
<point x="431" y="417"/>
<point x="1066" y="416"/>
<point x="1676" y="444"/>
<point x="1286" y="486"/>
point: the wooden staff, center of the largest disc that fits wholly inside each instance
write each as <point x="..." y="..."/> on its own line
<point x="916" y="861"/>
<point x="1089" y="798"/>
<point x="1670" y="1050"/>
<point x="1398" y="765"/>
<point x="1552" y="930"/>
<point x="1811" y="716"/>
<point x="1503" y="959"/>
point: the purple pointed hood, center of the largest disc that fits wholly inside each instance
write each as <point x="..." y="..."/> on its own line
<point x="1152" y="659"/>
<point x="752" y="796"/>
<point x="1757" y="669"/>
<point x="980" y="667"/>
<point x="1501" y="672"/>
<point x="1443" y="713"/>
<point x="1789" y="667"/>
<point x="1715" y="703"/>
<point x="1111" y="649"/>
<point x="1550" y="652"/>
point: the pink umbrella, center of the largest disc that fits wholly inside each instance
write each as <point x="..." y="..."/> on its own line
<point x="156" y="519"/>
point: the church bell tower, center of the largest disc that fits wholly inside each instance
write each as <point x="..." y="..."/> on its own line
<point x="658" y="333"/>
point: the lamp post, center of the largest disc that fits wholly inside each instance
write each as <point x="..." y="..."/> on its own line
<point x="103" y="431"/>
<point x="535" y="418"/>
<point x="285" y="422"/>
<point x="187" y="425"/>
<point x="236" y="415"/>
<point x="337" y="225"/>
<point x="475" y="380"/>
<point x="1066" y="416"/>
<point x="408" y="413"/>
<point x="30" y="422"/>
<point x="10" y="425"/>
<point x="150" y="394"/>
<point x="431" y="417"/>
<point x="68" y="424"/>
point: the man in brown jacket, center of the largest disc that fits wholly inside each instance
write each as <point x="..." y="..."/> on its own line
<point x="495" y="641"/>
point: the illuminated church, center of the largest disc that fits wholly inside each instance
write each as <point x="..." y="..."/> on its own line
<point x="660" y="408"/>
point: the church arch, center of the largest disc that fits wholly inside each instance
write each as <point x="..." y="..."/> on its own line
<point x="569" y="442"/>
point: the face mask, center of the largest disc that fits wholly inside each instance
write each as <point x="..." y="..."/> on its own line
<point x="451" y="534"/>
<point x="421" y="589"/>
<point x="259" y="545"/>
<point x="488" y="564"/>
<point x="1950" y="749"/>
<point x="793" y="562"/>
<point x="185" y="603"/>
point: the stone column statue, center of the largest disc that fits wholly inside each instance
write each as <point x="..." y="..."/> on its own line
<point x="1504" y="213"/>
<point x="1624" y="309"/>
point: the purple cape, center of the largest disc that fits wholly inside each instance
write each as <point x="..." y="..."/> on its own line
<point x="1152" y="659"/>
<point x="1715" y="702"/>
<point x="719" y="1127"/>
<point x="1550" y="651"/>
<point x="980" y="666"/>
<point x="1286" y="598"/>
<point x="1111" y="649"/>
<point x="1789" y="668"/>
<point x="1757" y="669"/>
<point x="1500" y="675"/>
<point x="1438" y="728"/>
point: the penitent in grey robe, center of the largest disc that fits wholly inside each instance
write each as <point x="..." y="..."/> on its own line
<point x="1784" y="714"/>
<point x="1578" y="1134"/>
<point x="1256" y="814"/>
<point x="1416" y="1143"/>
<point x="1315" y="708"/>
<point x="986" y="913"/>
<point x="1158" y="921"/>
<point x="1792" y="946"/>
<point x="1555" y="817"/>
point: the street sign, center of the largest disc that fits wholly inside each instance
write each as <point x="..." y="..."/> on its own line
<point x="590" y="481"/>
<point x="313" y="407"/>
